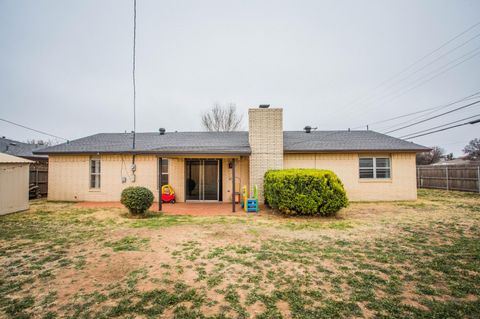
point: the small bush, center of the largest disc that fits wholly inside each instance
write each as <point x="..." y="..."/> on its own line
<point x="137" y="199"/>
<point x="304" y="191"/>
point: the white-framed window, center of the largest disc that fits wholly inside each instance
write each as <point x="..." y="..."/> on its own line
<point x="374" y="167"/>
<point x="95" y="172"/>
<point x="164" y="169"/>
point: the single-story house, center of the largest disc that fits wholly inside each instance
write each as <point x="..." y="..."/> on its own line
<point x="13" y="184"/>
<point x="205" y="166"/>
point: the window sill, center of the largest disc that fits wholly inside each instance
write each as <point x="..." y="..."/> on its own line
<point x="94" y="190"/>
<point x="375" y="180"/>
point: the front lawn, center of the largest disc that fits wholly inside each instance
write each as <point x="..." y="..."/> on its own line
<point x="403" y="259"/>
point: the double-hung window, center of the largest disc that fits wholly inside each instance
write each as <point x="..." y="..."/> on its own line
<point x="163" y="168"/>
<point x="375" y="167"/>
<point x="95" y="172"/>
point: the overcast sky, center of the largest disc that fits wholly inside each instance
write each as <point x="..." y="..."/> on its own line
<point x="65" y="66"/>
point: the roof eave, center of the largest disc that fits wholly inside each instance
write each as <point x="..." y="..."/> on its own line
<point x="357" y="151"/>
<point x="133" y="152"/>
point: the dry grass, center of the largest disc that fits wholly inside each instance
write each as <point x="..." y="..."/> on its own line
<point x="401" y="259"/>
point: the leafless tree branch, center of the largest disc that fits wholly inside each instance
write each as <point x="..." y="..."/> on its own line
<point x="222" y="118"/>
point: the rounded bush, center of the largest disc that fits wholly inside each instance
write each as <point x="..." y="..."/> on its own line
<point x="137" y="199"/>
<point x="304" y="191"/>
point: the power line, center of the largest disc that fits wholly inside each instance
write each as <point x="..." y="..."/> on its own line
<point x="444" y="129"/>
<point x="372" y="97"/>
<point x="417" y="85"/>
<point x="419" y="60"/>
<point x="433" y="117"/>
<point x="436" y="75"/>
<point x="439" y="126"/>
<point x="34" y="130"/>
<point x="418" y="112"/>
<point x="424" y="115"/>
<point x="133" y="70"/>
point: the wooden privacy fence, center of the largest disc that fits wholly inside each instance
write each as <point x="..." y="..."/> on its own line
<point x="39" y="177"/>
<point x="455" y="178"/>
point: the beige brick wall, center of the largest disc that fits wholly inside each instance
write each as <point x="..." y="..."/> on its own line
<point x="69" y="176"/>
<point x="266" y="141"/>
<point x="401" y="185"/>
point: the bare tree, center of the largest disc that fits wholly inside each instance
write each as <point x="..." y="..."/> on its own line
<point x="431" y="157"/>
<point x="222" y="119"/>
<point x="41" y="142"/>
<point x="472" y="149"/>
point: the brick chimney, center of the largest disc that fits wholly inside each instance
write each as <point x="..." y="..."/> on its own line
<point x="265" y="135"/>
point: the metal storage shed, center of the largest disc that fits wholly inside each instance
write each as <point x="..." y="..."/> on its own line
<point x="14" y="177"/>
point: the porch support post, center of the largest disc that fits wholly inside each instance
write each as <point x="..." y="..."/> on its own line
<point x="160" y="182"/>
<point x="233" y="185"/>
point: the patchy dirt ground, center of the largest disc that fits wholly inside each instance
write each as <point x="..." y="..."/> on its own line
<point x="400" y="259"/>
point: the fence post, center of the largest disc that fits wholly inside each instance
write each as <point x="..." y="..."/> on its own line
<point x="478" y="178"/>
<point x="418" y="177"/>
<point x="446" y="173"/>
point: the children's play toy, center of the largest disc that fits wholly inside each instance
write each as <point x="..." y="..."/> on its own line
<point x="250" y="205"/>
<point x="168" y="195"/>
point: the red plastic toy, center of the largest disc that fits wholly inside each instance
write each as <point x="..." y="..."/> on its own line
<point x="168" y="195"/>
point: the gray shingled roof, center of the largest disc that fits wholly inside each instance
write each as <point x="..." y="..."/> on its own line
<point x="342" y="141"/>
<point x="170" y="143"/>
<point x="20" y="149"/>
<point x="231" y="143"/>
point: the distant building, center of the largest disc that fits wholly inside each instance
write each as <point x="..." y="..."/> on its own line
<point x="21" y="149"/>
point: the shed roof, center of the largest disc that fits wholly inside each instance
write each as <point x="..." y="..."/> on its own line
<point x="10" y="159"/>
<point x="231" y="143"/>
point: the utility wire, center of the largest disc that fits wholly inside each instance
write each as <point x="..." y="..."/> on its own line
<point x="444" y="129"/>
<point x="417" y="85"/>
<point x="133" y="70"/>
<point x="418" y="112"/>
<point x="439" y="126"/>
<point x="419" y="60"/>
<point x="433" y="117"/>
<point x="394" y="83"/>
<point x="428" y="113"/>
<point x="34" y="130"/>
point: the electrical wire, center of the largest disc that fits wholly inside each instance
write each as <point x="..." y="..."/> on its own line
<point x="446" y="128"/>
<point x="434" y="117"/>
<point x="418" y="112"/>
<point x="439" y="126"/>
<point x="373" y="97"/>
<point x="417" y="61"/>
<point x="34" y="130"/>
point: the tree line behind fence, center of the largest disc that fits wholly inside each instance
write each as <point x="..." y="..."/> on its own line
<point x="455" y="178"/>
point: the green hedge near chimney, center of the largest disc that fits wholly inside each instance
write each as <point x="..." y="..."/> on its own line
<point x="304" y="191"/>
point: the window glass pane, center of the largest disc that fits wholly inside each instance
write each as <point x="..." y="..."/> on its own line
<point x="366" y="173"/>
<point x="92" y="181"/>
<point x="366" y="162"/>
<point x="165" y="166"/>
<point x="164" y="179"/>
<point x="383" y="173"/>
<point x="383" y="162"/>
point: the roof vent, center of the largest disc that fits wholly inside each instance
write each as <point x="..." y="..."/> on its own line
<point x="309" y="129"/>
<point x="264" y="106"/>
<point x="162" y="131"/>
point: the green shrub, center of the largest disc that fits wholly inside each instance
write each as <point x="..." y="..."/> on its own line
<point x="304" y="191"/>
<point x="137" y="199"/>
